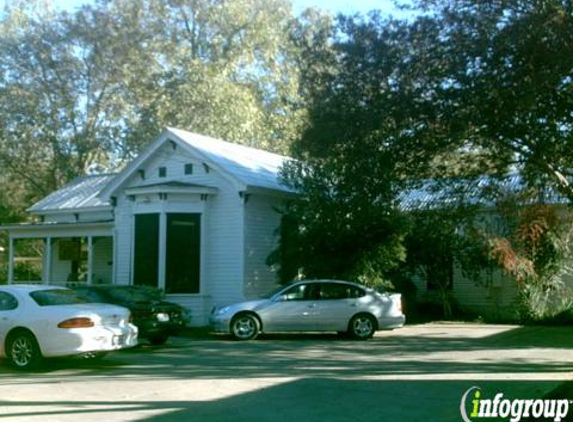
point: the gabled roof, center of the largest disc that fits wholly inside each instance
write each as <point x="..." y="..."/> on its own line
<point x="79" y="193"/>
<point x="246" y="167"/>
<point x="253" y="167"/>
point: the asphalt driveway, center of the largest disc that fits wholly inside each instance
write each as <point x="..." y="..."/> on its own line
<point x="418" y="373"/>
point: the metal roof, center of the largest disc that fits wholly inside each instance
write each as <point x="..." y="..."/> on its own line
<point x="251" y="166"/>
<point x="482" y="191"/>
<point x="79" y="193"/>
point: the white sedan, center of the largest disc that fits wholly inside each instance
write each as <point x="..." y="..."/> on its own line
<point x="38" y="321"/>
<point x="312" y="305"/>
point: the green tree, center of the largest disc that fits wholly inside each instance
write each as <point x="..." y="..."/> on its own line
<point x="503" y="88"/>
<point x="86" y="91"/>
<point x="349" y="172"/>
<point x="218" y="67"/>
<point x="535" y="249"/>
<point x="466" y="89"/>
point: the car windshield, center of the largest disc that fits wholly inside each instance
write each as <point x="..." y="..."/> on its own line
<point x="135" y="295"/>
<point x="54" y="297"/>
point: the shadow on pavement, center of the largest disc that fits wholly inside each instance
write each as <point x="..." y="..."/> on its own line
<point x="308" y="400"/>
<point x="324" y="355"/>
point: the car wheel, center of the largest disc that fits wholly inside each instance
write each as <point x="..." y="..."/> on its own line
<point x="158" y="340"/>
<point x="23" y="350"/>
<point x="245" y="327"/>
<point x="362" y="327"/>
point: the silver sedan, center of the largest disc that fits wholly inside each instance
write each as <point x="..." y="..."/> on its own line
<point x="313" y="305"/>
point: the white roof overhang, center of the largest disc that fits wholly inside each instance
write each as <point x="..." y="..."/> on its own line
<point x="30" y="231"/>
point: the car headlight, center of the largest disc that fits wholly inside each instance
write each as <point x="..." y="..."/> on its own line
<point x="222" y="311"/>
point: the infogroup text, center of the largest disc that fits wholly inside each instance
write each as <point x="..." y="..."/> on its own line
<point x="474" y="406"/>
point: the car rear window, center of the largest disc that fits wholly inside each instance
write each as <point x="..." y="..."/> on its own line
<point x="91" y="295"/>
<point x="56" y="297"/>
<point x="134" y="295"/>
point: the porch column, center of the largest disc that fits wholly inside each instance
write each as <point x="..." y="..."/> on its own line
<point x="11" y="260"/>
<point x="90" y="260"/>
<point x="48" y="261"/>
<point x="162" y="250"/>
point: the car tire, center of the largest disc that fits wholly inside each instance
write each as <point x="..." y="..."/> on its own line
<point x="23" y="350"/>
<point x="158" y="340"/>
<point x="362" y="327"/>
<point x="245" y="327"/>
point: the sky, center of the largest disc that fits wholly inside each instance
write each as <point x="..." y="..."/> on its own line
<point x="333" y="6"/>
<point x="347" y="6"/>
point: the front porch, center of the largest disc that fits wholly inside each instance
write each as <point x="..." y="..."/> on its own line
<point x="61" y="253"/>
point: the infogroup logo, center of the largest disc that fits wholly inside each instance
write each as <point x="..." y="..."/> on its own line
<point x="474" y="407"/>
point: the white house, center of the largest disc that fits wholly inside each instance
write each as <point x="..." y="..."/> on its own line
<point x="192" y="215"/>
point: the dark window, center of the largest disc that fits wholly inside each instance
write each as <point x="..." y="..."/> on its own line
<point x="188" y="168"/>
<point x="303" y="292"/>
<point x="162" y="171"/>
<point x="355" y="292"/>
<point x="295" y="293"/>
<point x="441" y="275"/>
<point x="329" y="291"/>
<point x="131" y="294"/>
<point x="182" y="272"/>
<point x="146" y="250"/>
<point x="7" y="302"/>
<point x="55" y="297"/>
<point x="91" y="295"/>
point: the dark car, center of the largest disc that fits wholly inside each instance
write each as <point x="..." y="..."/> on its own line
<point x="155" y="318"/>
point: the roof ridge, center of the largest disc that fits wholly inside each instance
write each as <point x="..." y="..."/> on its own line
<point x="246" y="148"/>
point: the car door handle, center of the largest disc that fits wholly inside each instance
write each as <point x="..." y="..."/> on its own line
<point x="312" y="305"/>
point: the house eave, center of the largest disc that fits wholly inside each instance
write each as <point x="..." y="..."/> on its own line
<point x="166" y="189"/>
<point x="36" y="230"/>
<point x="283" y="193"/>
<point x="78" y="210"/>
<point x="166" y="136"/>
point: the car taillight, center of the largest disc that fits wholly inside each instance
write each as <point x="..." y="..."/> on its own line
<point x="81" y="322"/>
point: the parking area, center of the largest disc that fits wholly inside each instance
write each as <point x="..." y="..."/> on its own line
<point x="413" y="374"/>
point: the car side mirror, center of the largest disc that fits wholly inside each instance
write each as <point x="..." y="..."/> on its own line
<point x="281" y="298"/>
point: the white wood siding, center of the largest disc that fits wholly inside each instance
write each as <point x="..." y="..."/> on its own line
<point x="123" y="235"/>
<point x="222" y="229"/>
<point x="493" y="296"/>
<point x="261" y="224"/>
<point x="60" y="269"/>
<point x="102" y="260"/>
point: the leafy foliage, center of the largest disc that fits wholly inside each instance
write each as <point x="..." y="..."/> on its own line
<point x="505" y="87"/>
<point x="86" y="91"/>
<point x="345" y="224"/>
<point x="537" y="253"/>
<point x="466" y="89"/>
